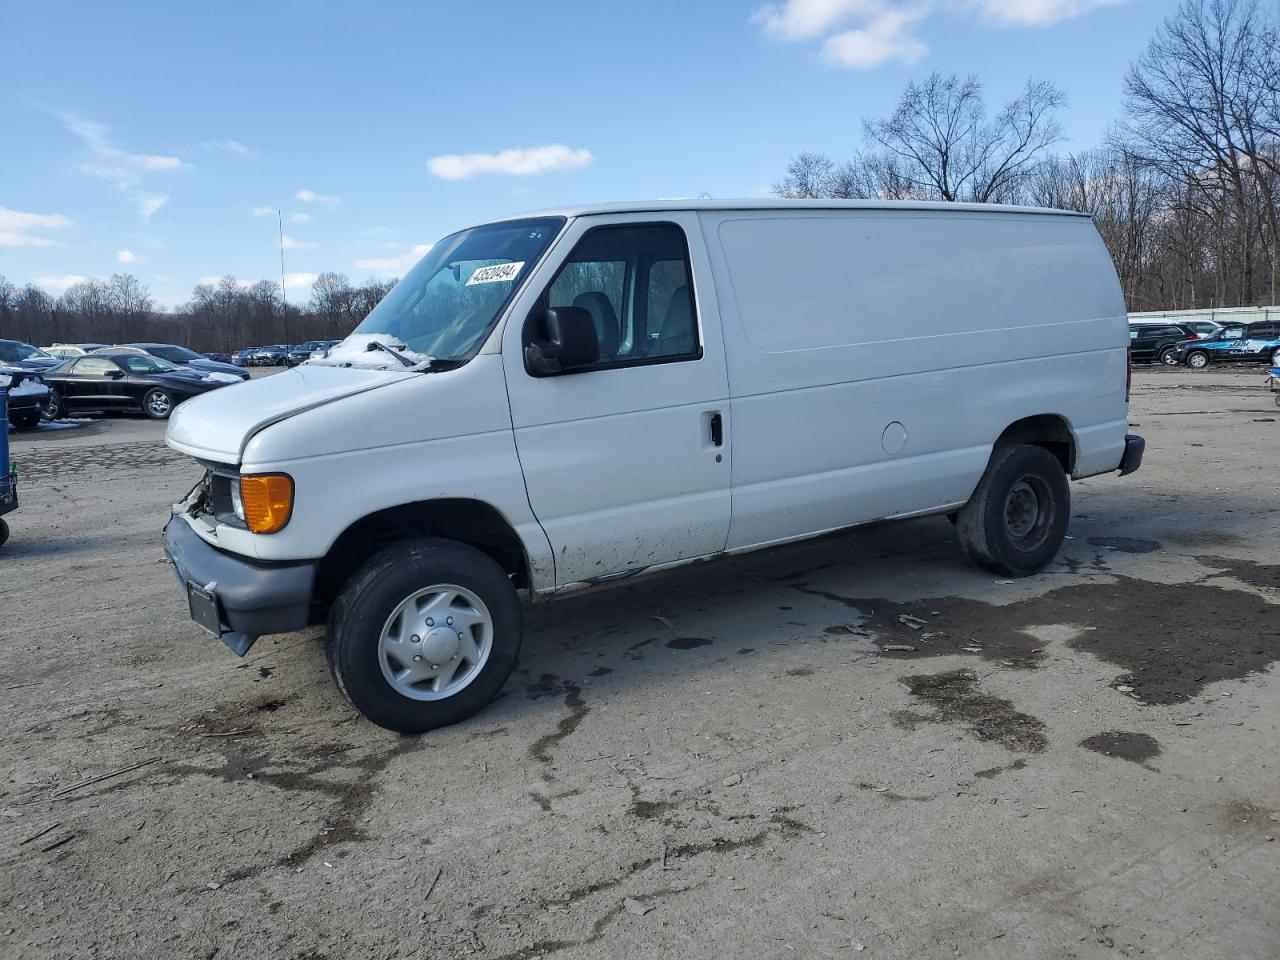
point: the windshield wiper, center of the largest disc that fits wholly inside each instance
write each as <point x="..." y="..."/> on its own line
<point x="379" y="345"/>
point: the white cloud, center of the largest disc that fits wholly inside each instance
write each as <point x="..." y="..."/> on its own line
<point x="885" y="37"/>
<point x="394" y="264"/>
<point x="262" y="211"/>
<point x="58" y="283"/>
<point x="1034" y="13"/>
<point x="310" y="196"/>
<point x="300" y="218"/>
<point x="126" y="256"/>
<point x="149" y="203"/>
<point x="227" y="145"/>
<point x="289" y="243"/>
<point x="18" y="229"/>
<point x="806" y="19"/>
<point x="516" y="162"/>
<point x="125" y="169"/>
<point x="294" y="282"/>
<point x="867" y="33"/>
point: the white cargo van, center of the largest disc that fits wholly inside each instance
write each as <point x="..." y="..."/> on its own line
<point x="569" y="398"/>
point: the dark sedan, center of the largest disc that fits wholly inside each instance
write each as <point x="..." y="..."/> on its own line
<point x="27" y="396"/>
<point x="18" y="354"/>
<point x="275" y="355"/>
<point x="189" y="358"/>
<point x="217" y="355"/>
<point x="105" y="382"/>
<point x="302" y="352"/>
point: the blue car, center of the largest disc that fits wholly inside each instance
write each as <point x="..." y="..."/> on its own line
<point x="24" y="355"/>
<point x="1234" y="343"/>
<point x="189" y="359"/>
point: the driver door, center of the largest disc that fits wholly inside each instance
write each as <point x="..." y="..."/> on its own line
<point x="95" y="383"/>
<point x="627" y="461"/>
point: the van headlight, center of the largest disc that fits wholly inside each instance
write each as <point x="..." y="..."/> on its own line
<point x="237" y="500"/>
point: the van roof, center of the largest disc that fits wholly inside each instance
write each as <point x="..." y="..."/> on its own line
<point x="679" y="203"/>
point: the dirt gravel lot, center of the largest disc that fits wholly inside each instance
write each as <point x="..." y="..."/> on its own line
<point x="1082" y="764"/>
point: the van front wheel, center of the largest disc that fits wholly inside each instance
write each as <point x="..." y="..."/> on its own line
<point x="424" y="634"/>
<point x="1014" y="523"/>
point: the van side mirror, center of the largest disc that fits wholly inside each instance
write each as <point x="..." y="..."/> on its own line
<point x="571" y="343"/>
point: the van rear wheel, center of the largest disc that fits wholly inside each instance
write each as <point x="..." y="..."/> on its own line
<point x="424" y="634"/>
<point x="1015" y="521"/>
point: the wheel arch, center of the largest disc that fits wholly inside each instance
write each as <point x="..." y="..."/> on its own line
<point x="473" y="522"/>
<point x="1048" y="430"/>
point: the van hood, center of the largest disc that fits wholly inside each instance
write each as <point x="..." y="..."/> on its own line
<point x="217" y="425"/>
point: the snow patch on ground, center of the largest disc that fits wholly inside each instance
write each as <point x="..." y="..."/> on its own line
<point x="358" y="351"/>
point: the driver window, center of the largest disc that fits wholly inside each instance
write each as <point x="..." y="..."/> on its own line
<point x="96" y="366"/>
<point x="1233" y="333"/>
<point x="634" y="280"/>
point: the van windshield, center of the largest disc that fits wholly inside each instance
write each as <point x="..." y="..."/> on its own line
<point x="448" y="303"/>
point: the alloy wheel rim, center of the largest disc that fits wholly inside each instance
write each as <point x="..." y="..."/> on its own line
<point x="435" y="642"/>
<point x="158" y="403"/>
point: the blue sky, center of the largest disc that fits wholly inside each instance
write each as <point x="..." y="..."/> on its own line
<point x="144" y="137"/>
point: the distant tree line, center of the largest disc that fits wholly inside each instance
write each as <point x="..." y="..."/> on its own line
<point x="1185" y="191"/>
<point x="226" y="315"/>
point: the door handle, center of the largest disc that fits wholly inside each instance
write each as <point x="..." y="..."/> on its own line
<point x="717" y="429"/>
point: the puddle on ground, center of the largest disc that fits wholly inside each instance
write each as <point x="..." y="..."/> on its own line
<point x="1135" y="747"/>
<point x="955" y="698"/>
<point x="1170" y="640"/>
<point x="990" y="773"/>
<point x="1254" y="574"/>
<point x="687" y="643"/>
<point x="1126" y="544"/>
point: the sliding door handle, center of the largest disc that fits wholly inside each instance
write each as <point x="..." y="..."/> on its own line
<point x="717" y="429"/>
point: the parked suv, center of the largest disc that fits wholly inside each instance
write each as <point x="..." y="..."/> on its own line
<point x="1237" y="342"/>
<point x="550" y="403"/>
<point x="1151" y="342"/>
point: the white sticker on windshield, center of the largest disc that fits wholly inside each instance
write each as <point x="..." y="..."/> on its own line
<point x="498" y="273"/>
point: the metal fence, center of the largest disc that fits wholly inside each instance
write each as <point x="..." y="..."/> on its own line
<point x="1218" y="314"/>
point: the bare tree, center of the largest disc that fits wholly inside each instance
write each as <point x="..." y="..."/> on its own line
<point x="1197" y="111"/>
<point x="808" y="177"/>
<point x="943" y="147"/>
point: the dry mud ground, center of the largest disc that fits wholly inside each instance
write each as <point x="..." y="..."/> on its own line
<point x="1083" y="764"/>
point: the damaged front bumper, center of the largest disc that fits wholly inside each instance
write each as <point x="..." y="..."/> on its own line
<point x="236" y="599"/>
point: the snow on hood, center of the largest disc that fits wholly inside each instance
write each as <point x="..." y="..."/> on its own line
<point x="359" y="351"/>
<point x="28" y="387"/>
<point x="217" y="425"/>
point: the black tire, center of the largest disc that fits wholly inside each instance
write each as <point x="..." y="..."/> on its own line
<point x="993" y="526"/>
<point x="25" y="419"/>
<point x="158" y="403"/>
<point x="4" y="532"/>
<point x="1169" y="356"/>
<point x="1198" y="359"/>
<point x="56" y="407"/>
<point x="374" y="592"/>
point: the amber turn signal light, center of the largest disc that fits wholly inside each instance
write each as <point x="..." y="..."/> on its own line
<point x="268" y="501"/>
